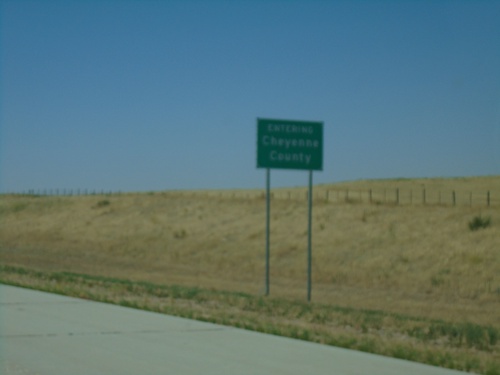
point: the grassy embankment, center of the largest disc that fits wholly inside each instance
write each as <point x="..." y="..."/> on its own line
<point x="409" y="281"/>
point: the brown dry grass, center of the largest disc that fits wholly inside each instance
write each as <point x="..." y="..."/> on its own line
<point x="422" y="261"/>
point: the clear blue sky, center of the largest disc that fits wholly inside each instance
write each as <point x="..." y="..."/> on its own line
<point x="155" y="95"/>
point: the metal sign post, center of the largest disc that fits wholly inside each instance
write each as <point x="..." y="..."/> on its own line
<point x="309" y="240"/>
<point x="289" y="144"/>
<point x="268" y="214"/>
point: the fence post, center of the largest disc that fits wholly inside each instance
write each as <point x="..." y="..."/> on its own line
<point x="454" y="198"/>
<point x="370" y="195"/>
<point x="327" y="194"/>
<point x="470" y="199"/>
<point x="423" y="196"/>
<point x="488" y="198"/>
<point x="397" y="196"/>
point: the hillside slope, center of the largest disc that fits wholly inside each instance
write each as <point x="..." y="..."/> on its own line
<point x="418" y="259"/>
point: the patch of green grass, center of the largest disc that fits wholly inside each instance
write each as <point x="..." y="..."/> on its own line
<point x="102" y="203"/>
<point x="367" y="346"/>
<point x="404" y="352"/>
<point x="437" y="280"/>
<point x="493" y="368"/>
<point x="14" y="207"/>
<point x="458" y="334"/>
<point x="19" y="206"/>
<point x="479" y="222"/>
<point x="181" y="233"/>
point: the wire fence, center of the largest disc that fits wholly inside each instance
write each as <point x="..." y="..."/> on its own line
<point x="422" y="197"/>
<point x="65" y="192"/>
<point x="397" y="196"/>
<point x="389" y="196"/>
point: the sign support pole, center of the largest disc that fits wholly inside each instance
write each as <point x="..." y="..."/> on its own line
<point x="309" y="239"/>
<point x="268" y="214"/>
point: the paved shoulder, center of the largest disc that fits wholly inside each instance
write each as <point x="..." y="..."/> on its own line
<point x="47" y="334"/>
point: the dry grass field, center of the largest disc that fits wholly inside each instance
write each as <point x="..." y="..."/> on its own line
<point x="420" y="262"/>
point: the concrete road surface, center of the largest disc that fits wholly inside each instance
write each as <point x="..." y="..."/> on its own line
<point x="47" y="334"/>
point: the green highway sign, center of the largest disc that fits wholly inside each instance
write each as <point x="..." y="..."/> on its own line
<point x="289" y="144"/>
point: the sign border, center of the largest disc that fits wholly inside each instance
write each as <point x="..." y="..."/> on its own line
<point x="292" y="143"/>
